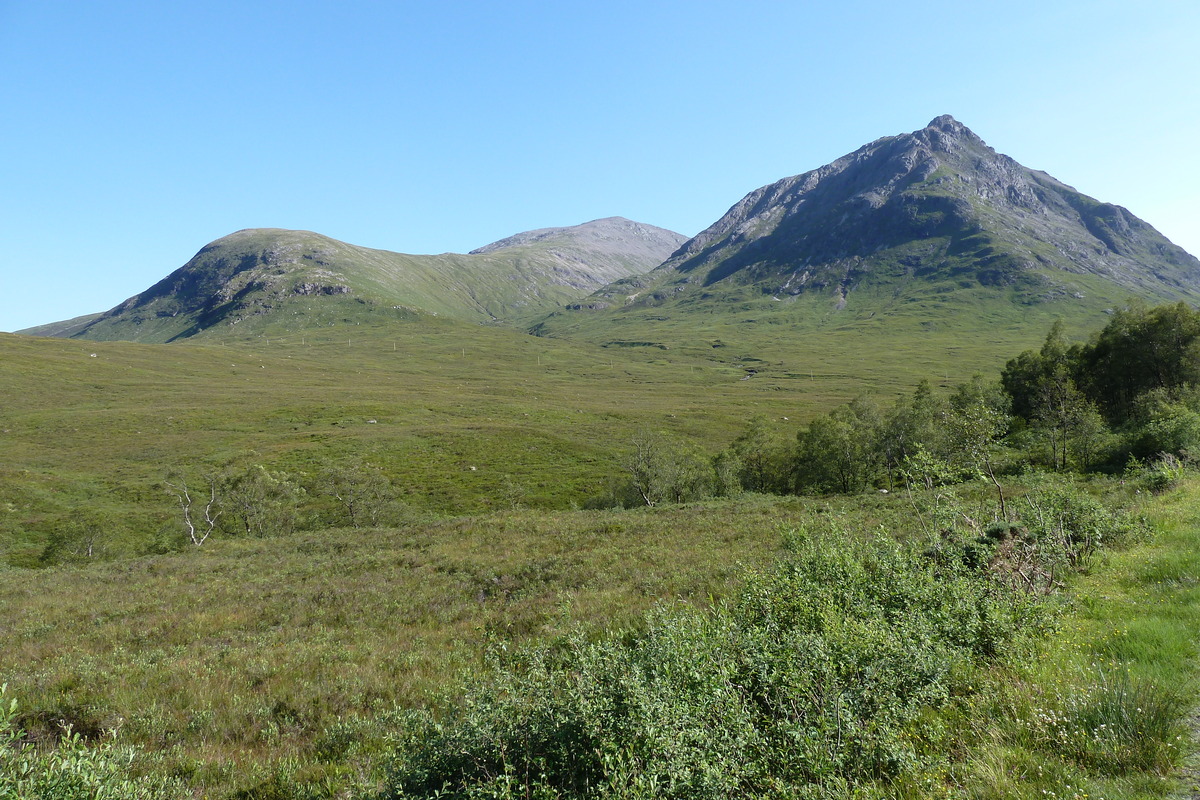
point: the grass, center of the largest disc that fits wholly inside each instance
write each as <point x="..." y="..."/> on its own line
<point x="461" y="418"/>
<point x="285" y="664"/>
<point x="1102" y="708"/>
<point x="225" y="661"/>
<point x="452" y="413"/>
<point x="288" y="662"/>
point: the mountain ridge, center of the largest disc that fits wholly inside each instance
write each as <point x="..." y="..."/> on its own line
<point x="254" y="274"/>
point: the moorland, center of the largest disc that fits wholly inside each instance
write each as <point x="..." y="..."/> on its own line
<point x="905" y="511"/>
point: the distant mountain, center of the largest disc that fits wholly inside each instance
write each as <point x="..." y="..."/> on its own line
<point x="279" y="280"/>
<point x="936" y="211"/>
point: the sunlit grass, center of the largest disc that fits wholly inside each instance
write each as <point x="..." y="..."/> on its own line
<point x="1101" y="709"/>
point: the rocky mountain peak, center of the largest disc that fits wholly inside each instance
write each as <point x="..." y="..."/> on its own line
<point x="933" y="203"/>
<point x="949" y="126"/>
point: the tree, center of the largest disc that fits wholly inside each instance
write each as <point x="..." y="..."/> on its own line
<point x="661" y="471"/>
<point x="914" y="425"/>
<point x="360" y="489"/>
<point x="259" y="502"/>
<point x="1043" y="390"/>
<point x="200" y="513"/>
<point x="1140" y="350"/>
<point x="762" y="455"/>
<point x="81" y="536"/>
<point x="250" y="501"/>
<point x="978" y="419"/>
<point x="840" y="452"/>
<point x="727" y="473"/>
<point x="1025" y="377"/>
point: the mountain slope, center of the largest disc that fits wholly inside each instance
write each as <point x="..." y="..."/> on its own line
<point x="279" y="280"/>
<point x="932" y="229"/>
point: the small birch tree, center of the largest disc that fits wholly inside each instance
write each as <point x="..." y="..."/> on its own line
<point x="200" y="513"/>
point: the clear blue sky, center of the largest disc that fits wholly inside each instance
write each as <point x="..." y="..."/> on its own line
<point x="133" y="133"/>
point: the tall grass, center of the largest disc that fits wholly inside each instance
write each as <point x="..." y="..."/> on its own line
<point x="1102" y="707"/>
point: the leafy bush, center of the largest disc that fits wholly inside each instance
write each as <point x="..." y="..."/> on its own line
<point x="74" y="770"/>
<point x="1066" y="526"/>
<point x="1157" y="475"/>
<point x="818" y="675"/>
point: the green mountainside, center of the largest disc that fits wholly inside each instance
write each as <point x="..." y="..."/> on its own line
<point x="926" y="233"/>
<point x="277" y="281"/>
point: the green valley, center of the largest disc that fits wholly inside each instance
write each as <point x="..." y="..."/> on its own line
<point x="881" y="487"/>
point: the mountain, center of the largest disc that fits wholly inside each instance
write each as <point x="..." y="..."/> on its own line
<point x="916" y="224"/>
<point x="271" y="280"/>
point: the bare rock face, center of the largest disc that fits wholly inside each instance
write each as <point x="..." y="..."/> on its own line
<point x="934" y="201"/>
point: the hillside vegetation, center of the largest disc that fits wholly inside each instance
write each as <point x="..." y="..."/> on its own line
<point x="850" y="642"/>
<point x="881" y="487"/>
<point x="95" y="428"/>
<point x="267" y="280"/>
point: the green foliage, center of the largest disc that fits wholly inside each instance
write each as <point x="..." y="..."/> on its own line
<point x="81" y="537"/>
<point x="816" y="677"/>
<point x="925" y="437"/>
<point x="764" y="457"/>
<point x="662" y="470"/>
<point x="1044" y="393"/>
<point x="840" y="452"/>
<point x="1157" y="475"/>
<point x="1138" y="374"/>
<point x="223" y="662"/>
<point x="73" y="769"/>
<point x="360" y="490"/>
<point x="1164" y="422"/>
<point x="1140" y="350"/>
<point x="1067" y="527"/>
<point x="258" y="502"/>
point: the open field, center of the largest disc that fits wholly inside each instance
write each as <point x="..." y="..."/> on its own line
<point x="252" y="650"/>
<point x="288" y="662"/>
<point x="460" y="418"/>
<point x="287" y="666"/>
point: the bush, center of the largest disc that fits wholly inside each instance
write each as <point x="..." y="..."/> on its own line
<point x="817" y="676"/>
<point x="74" y="770"/>
<point x="1066" y="526"/>
<point x="1157" y="475"/>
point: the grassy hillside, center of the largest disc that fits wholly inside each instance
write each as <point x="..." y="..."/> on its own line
<point x="273" y="280"/>
<point x="877" y="339"/>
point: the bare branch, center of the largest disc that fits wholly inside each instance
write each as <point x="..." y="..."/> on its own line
<point x="197" y="535"/>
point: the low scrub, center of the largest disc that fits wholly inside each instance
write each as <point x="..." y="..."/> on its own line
<point x="73" y="770"/>
<point x="819" y="675"/>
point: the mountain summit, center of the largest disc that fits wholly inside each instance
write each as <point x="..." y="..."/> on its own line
<point x="937" y="204"/>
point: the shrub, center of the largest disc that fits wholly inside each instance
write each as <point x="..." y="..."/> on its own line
<point x="817" y="676"/>
<point x="74" y="770"/>
<point x="1157" y="475"/>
